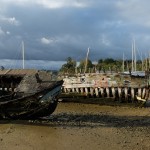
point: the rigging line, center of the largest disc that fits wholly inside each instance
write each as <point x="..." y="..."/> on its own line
<point x="14" y="62"/>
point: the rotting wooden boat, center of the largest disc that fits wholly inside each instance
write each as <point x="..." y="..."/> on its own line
<point x="27" y="93"/>
<point x="122" y="87"/>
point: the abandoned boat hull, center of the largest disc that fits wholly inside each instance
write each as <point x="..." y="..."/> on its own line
<point x="39" y="104"/>
<point x="117" y="86"/>
<point x="27" y="93"/>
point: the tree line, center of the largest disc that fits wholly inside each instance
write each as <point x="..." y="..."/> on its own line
<point x="102" y="65"/>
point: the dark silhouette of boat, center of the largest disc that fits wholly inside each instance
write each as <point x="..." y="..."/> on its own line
<point x="27" y="94"/>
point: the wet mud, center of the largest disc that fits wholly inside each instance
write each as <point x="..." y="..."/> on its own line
<point x="80" y="126"/>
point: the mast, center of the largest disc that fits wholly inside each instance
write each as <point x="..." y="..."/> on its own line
<point x="146" y="62"/>
<point x="132" y="58"/>
<point x="23" y="64"/>
<point x="123" y="63"/>
<point x="86" y="61"/>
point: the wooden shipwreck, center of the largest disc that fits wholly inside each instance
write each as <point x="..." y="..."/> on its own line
<point x="27" y="93"/>
<point x="123" y="87"/>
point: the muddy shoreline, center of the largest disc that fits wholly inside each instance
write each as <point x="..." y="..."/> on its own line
<point x="80" y="126"/>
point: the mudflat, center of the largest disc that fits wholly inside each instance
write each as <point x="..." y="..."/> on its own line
<point x="75" y="126"/>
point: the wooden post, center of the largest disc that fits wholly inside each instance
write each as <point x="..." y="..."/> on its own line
<point x="132" y="94"/>
<point x="143" y="93"/>
<point x="113" y="92"/>
<point x="126" y="93"/>
<point x="81" y="90"/>
<point x="119" y="93"/>
<point x="96" y="92"/>
<point x="139" y="92"/>
<point x="102" y="91"/>
<point x="65" y="90"/>
<point x="107" y="91"/>
<point x="73" y="90"/>
<point x="91" y="91"/>
<point x="77" y="90"/>
<point x="86" y="91"/>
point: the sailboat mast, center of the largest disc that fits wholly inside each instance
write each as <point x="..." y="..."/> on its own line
<point x="86" y="60"/>
<point x="146" y="62"/>
<point x="23" y="63"/>
<point x="123" y="63"/>
<point x="134" y="56"/>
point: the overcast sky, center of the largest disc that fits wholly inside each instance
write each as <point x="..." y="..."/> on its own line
<point x="53" y="30"/>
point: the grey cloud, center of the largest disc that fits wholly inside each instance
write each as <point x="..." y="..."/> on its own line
<point x="107" y="27"/>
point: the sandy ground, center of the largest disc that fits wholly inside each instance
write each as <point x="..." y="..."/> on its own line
<point x="76" y="126"/>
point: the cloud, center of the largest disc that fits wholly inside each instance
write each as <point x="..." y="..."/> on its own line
<point x="135" y="11"/>
<point x="56" y="29"/>
<point x="5" y="3"/>
<point x="52" y="4"/>
<point x="1" y="32"/>
<point x="105" y="40"/>
<point x="47" y="40"/>
<point x="10" y="20"/>
<point x="7" y="32"/>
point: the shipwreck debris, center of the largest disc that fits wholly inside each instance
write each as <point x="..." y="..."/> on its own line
<point x="123" y="87"/>
<point x="27" y="93"/>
